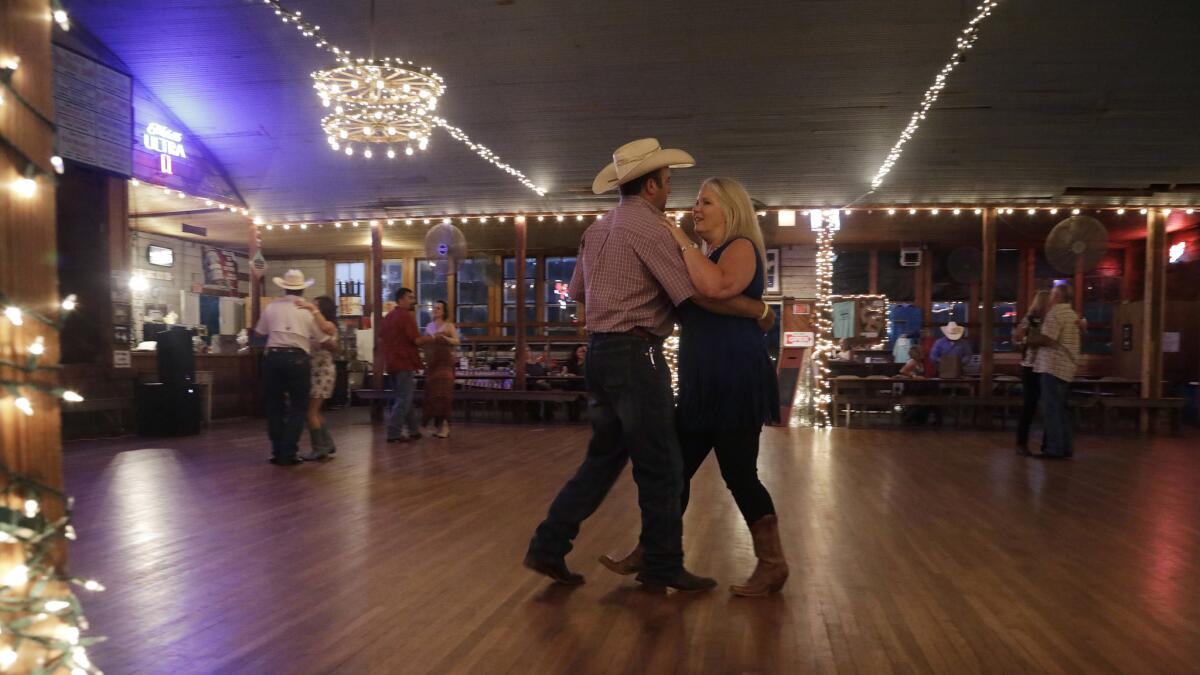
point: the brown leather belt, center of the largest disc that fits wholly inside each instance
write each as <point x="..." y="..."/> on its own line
<point x="639" y="333"/>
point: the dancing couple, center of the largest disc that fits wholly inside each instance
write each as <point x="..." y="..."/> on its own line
<point x="636" y="274"/>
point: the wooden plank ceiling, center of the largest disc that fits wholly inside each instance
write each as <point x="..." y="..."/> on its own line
<point x="801" y="100"/>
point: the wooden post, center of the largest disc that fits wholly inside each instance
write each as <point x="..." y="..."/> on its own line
<point x="925" y="287"/>
<point x="256" y="276"/>
<point x="519" y="265"/>
<point x="1025" y="282"/>
<point x="988" y="315"/>
<point x="376" y="316"/>
<point x="873" y="273"/>
<point x="29" y="444"/>
<point x="1153" y="303"/>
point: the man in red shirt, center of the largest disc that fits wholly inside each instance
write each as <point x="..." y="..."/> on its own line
<point x="399" y="338"/>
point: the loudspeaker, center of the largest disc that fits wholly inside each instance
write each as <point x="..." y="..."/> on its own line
<point x="167" y="410"/>
<point x="176" y="362"/>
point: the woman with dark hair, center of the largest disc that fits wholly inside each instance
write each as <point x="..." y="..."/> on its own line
<point x="439" y="370"/>
<point x="575" y="361"/>
<point x="324" y="374"/>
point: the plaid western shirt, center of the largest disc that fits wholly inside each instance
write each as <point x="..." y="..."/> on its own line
<point x="1061" y="324"/>
<point x="629" y="272"/>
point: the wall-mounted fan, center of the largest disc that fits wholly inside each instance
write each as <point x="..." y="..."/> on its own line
<point x="444" y="241"/>
<point x="1077" y="243"/>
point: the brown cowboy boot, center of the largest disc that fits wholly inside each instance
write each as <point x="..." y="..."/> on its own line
<point x="771" y="570"/>
<point x="630" y="564"/>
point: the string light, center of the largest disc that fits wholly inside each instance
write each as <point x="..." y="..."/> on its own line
<point x="31" y="576"/>
<point x="962" y="44"/>
<point x="382" y="101"/>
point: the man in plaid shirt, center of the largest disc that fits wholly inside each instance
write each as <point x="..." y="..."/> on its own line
<point x="628" y="281"/>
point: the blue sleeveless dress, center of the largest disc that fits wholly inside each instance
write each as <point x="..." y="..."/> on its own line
<point x="726" y="378"/>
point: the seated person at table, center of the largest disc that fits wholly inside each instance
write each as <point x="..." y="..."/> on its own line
<point x="575" y="365"/>
<point x="535" y="368"/>
<point x="915" y="367"/>
<point x="949" y="347"/>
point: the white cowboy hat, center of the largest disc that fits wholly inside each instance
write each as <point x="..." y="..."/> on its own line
<point x="293" y="280"/>
<point x="636" y="159"/>
<point x="953" y="331"/>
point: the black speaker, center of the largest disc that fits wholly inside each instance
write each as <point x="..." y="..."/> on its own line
<point x="167" y="410"/>
<point x="176" y="362"/>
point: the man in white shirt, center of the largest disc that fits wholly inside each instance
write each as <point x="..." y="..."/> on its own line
<point x="289" y="324"/>
<point x="1056" y="363"/>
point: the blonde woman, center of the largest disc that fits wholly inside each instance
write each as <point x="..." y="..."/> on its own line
<point x="727" y="386"/>
<point x="1030" y="389"/>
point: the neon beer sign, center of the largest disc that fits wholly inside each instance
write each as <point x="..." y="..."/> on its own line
<point x="167" y="142"/>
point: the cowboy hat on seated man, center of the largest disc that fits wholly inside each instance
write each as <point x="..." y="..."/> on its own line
<point x="951" y="345"/>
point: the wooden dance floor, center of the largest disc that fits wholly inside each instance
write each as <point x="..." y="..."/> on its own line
<point x="911" y="552"/>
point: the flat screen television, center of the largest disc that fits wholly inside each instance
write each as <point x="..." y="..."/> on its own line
<point x="160" y="256"/>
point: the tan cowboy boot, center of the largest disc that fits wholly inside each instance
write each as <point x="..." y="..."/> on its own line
<point x="771" y="570"/>
<point x="630" y="564"/>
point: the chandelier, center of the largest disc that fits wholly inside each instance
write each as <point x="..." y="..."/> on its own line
<point x="382" y="105"/>
<point x="378" y="102"/>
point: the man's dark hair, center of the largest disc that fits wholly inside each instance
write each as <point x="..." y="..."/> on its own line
<point x="634" y="187"/>
<point x="294" y="291"/>
<point x="401" y="292"/>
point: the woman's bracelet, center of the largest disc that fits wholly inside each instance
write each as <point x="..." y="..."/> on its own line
<point x="766" y="310"/>
<point x="690" y="245"/>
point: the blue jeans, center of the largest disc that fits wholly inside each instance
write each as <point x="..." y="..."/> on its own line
<point x="631" y="408"/>
<point x="401" y="412"/>
<point x="287" y="380"/>
<point x="1056" y="418"/>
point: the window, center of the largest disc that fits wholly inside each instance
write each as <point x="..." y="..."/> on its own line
<point x="472" y="295"/>
<point x="945" y="312"/>
<point x="851" y="272"/>
<point x="392" y="280"/>
<point x="559" y="306"/>
<point x="898" y="283"/>
<point x="510" y="295"/>
<point x="1005" y="319"/>
<point x="431" y="287"/>
<point x="350" y="279"/>
<point x="1100" y="294"/>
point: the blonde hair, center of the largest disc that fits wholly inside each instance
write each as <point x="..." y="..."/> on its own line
<point x="740" y="218"/>
<point x="1039" y="305"/>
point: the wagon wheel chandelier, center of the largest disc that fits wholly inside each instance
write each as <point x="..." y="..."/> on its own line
<point x="382" y="105"/>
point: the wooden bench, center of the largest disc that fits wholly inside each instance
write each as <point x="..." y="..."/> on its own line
<point x="1173" y="407"/>
<point x="113" y="411"/>
<point x="493" y="395"/>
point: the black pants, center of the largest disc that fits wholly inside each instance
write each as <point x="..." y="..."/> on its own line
<point x="737" y="455"/>
<point x="630" y="406"/>
<point x="1031" y="393"/>
<point x="287" y="379"/>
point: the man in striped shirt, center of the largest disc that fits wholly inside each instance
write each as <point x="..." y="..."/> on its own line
<point x="1056" y="363"/>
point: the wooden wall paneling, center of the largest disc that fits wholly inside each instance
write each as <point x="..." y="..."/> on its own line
<point x="1129" y="285"/>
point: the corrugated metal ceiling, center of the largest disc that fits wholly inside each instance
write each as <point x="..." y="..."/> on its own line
<point x="801" y="99"/>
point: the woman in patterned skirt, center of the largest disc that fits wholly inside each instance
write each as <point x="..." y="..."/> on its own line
<point x="323" y="376"/>
<point x="439" y="370"/>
